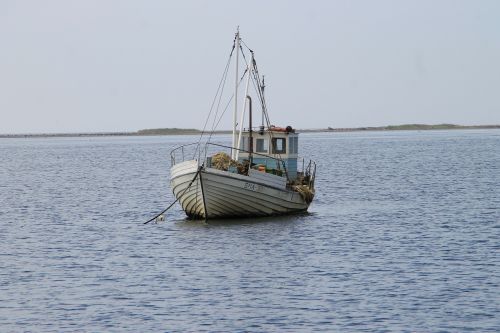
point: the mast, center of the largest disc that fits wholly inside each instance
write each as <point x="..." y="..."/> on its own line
<point x="233" y="151"/>
<point x="250" y="136"/>
<point x="238" y="142"/>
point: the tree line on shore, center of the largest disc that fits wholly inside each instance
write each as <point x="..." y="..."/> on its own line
<point x="193" y="131"/>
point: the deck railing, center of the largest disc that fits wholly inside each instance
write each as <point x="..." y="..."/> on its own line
<point x="184" y="153"/>
<point x="195" y="151"/>
<point x="310" y="174"/>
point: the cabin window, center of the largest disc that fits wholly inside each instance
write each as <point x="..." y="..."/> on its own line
<point x="262" y="145"/>
<point x="294" y="145"/>
<point x="279" y="146"/>
<point x="244" y="143"/>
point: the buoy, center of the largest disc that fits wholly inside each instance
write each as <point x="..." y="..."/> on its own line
<point x="160" y="218"/>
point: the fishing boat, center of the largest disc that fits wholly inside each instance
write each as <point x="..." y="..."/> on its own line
<point x="259" y="174"/>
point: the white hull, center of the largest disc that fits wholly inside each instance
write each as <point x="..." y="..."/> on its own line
<point x="220" y="194"/>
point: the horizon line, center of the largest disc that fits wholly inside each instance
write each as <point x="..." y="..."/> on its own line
<point x="187" y="131"/>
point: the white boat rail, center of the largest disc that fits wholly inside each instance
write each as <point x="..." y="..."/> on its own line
<point x="193" y="151"/>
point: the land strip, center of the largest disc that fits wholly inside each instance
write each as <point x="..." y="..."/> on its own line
<point x="192" y="131"/>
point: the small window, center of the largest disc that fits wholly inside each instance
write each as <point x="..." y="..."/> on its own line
<point x="294" y="145"/>
<point x="262" y="146"/>
<point x="279" y="146"/>
<point x="244" y="142"/>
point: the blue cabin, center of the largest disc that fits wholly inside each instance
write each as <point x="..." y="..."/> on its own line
<point x="268" y="146"/>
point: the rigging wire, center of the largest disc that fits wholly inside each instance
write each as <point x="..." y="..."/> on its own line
<point x="221" y="83"/>
<point x="256" y="82"/>
<point x="232" y="96"/>
<point x="217" y="108"/>
<point x="225" y="109"/>
<point x="218" y="96"/>
<point x="243" y="42"/>
<point x="218" y="104"/>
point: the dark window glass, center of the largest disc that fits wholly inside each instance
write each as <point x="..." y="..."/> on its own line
<point x="261" y="146"/>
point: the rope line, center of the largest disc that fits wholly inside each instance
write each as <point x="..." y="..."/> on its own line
<point x="180" y="196"/>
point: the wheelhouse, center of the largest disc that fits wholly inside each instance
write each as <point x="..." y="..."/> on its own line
<point x="264" y="148"/>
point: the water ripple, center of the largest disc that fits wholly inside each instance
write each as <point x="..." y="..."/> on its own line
<point x="402" y="236"/>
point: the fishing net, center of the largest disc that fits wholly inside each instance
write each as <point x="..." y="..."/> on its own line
<point x="223" y="161"/>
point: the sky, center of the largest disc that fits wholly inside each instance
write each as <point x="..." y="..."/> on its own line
<point x="120" y="65"/>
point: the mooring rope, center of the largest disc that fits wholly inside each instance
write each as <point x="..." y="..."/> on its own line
<point x="180" y="196"/>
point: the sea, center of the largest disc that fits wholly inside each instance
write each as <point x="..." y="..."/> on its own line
<point x="403" y="236"/>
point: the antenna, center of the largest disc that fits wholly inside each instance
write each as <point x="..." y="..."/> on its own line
<point x="262" y="87"/>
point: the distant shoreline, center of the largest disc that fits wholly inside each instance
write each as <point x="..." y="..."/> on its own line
<point x="192" y="131"/>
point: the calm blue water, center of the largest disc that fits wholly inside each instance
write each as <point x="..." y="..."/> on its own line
<point x="404" y="235"/>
